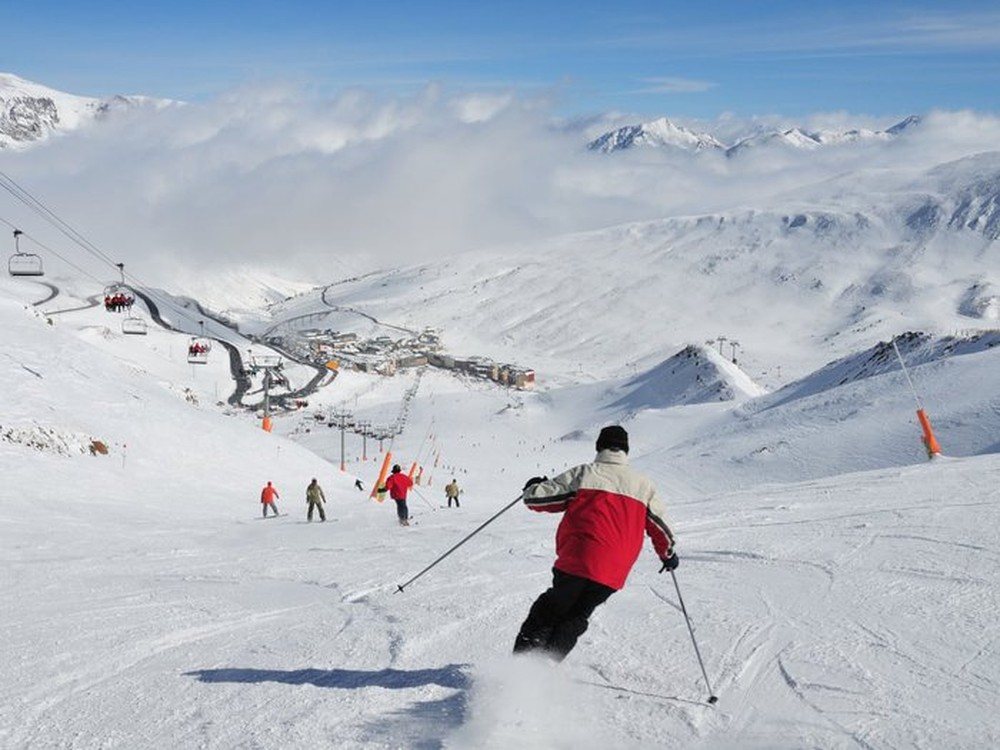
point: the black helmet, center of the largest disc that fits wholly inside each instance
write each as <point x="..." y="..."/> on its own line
<point x="396" y="469"/>
<point x="613" y="437"/>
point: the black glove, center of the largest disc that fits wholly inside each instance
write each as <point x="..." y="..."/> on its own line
<point x="670" y="563"/>
<point x="533" y="481"/>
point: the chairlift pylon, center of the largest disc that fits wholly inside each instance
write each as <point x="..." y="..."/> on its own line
<point x="24" y="264"/>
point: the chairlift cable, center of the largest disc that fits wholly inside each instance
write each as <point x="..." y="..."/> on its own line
<point x="22" y="194"/>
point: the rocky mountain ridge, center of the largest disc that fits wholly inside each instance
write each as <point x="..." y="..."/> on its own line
<point x="30" y="112"/>
<point x="664" y="133"/>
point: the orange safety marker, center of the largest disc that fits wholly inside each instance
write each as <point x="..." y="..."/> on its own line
<point x="266" y="424"/>
<point x="930" y="442"/>
<point x="381" y="477"/>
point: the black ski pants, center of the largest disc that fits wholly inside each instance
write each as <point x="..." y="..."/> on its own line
<point x="402" y="511"/>
<point x="561" y="615"/>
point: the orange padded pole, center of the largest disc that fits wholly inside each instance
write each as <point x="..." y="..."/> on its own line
<point x="930" y="442"/>
<point x="381" y="476"/>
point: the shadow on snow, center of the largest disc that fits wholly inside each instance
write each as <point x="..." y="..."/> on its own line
<point x="450" y="676"/>
<point x="420" y="726"/>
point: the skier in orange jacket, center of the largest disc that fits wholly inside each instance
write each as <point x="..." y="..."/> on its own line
<point x="267" y="497"/>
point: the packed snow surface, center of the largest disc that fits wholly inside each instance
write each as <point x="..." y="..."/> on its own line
<point x="841" y="587"/>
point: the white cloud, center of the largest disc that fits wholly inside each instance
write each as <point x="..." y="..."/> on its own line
<point x="318" y="189"/>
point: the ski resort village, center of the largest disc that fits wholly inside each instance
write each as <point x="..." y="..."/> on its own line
<point x="385" y="356"/>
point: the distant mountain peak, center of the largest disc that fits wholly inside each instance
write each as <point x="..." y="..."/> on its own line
<point x="31" y="113"/>
<point x="664" y="133"/>
<point x="658" y="133"/>
<point x="694" y="375"/>
<point x="910" y="122"/>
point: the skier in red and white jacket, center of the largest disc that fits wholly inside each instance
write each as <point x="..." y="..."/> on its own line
<point x="607" y="508"/>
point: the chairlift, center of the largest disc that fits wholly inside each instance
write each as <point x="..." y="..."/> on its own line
<point x="134" y="326"/>
<point x="119" y="296"/>
<point x="198" y="351"/>
<point x="265" y="361"/>
<point x="24" y="264"/>
<point x="199" y="348"/>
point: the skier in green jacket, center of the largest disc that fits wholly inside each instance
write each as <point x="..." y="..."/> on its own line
<point x="315" y="499"/>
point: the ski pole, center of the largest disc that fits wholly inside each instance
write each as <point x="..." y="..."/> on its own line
<point x="481" y="526"/>
<point x="421" y="496"/>
<point x="712" y="698"/>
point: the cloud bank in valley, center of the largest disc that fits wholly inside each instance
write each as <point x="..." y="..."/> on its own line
<point x="316" y="189"/>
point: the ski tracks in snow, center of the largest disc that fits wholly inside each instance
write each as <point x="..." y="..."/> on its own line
<point x="843" y="690"/>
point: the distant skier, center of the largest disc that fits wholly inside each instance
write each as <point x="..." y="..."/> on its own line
<point x="398" y="484"/>
<point x="267" y="497"/>
<point x="606" y="507"/>
<point x="359" y="485"/>
<point x="451" y="491"/>
<point x="315" y="499"/>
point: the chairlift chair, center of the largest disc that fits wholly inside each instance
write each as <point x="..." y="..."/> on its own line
<point x="198" y="351"/>
<point x="265" y="361"/>
<point x="199" y="347"/>
<point x="134" y="326"/>
<point x="24" y="264"/>
<point x="119" y="288"/>
<point x="113" y="290"/>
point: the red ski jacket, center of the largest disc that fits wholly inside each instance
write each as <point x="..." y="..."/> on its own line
<point x="398" y="485"/>
<point x="268" y="494"/>
<point x="607" y="508"/>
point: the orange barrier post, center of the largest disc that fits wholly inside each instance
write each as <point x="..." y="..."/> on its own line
<point x="930" y="442"/>
<point x="413" y="469"/>
<point x="420" y="476"/>
<point x="266" y="424"/>
<point x="381" y="476"/>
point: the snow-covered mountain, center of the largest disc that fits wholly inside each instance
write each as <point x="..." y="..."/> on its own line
<point x="664" y="133"/>
<point x="145" y="597"/>
<point x="799" y="138"/>
<point x="656" y="134"/>
<point x="31" y="112"/>
<point x="919" y="258"/>
<point x="695" y="375"/>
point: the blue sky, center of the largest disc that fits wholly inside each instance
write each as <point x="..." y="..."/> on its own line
<point x="683" y="59"/>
